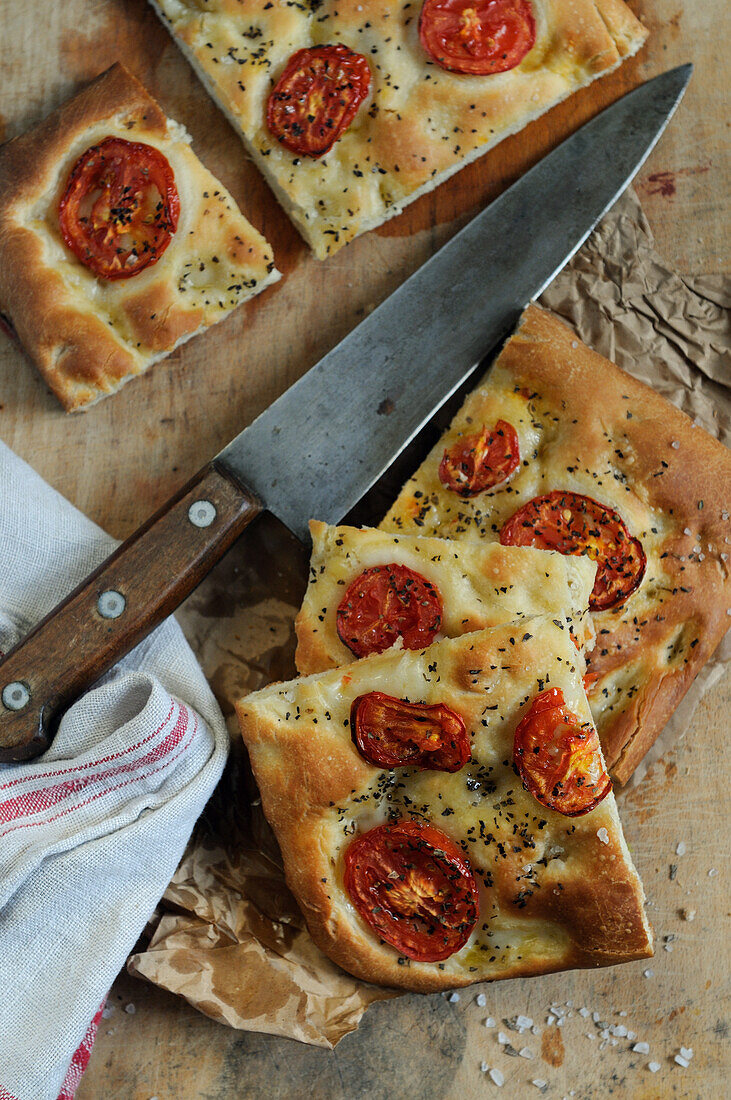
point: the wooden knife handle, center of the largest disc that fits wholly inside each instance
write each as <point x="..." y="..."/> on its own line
<point x="130" y="593"/>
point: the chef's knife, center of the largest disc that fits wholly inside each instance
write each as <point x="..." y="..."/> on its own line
<point x="321" y="445"/>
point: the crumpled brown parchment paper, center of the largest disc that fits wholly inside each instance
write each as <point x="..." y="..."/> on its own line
<point x="230" y="938"/>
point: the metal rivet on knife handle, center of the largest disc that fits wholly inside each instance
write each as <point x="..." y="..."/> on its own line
<point x="15" y="696"/>
<point x="111" y="604"/>
<point x="202" y="513"/>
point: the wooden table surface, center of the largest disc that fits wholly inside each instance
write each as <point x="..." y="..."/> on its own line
<point x="128" y="454"/>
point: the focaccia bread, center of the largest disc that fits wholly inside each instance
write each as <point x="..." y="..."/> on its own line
<point x="91" y="326"/>
<point x="586" y="427"/>
<point x="416" y="123"/>
<point x="472" y="586"/>
<point x="548" y="891"/>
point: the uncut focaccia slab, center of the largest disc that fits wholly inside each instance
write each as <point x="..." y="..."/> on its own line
<point x="419" y="123"/>
<point x="88" y="334"/>
<point x="480" y="585"/>
<point x="586" y="426"/>
<point x="555" y="892"/>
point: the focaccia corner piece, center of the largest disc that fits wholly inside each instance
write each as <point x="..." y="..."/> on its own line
<point x="440" y="588"/>
<point x="586" y="429"/>
<point x="524" y="889"/>
<point x="415" y="121"/>
<point x="116" y="244"/>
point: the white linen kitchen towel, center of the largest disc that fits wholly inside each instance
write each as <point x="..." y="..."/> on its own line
<point x="92" y="831"/>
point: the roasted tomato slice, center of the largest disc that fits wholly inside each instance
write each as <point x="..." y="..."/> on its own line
<point x="481" y="461"/>
<point x="315" y="99"/>
<point x="392" y="733"/>
<point x="385" y="603"/>
<point x="575" y="524"/>
<point x="414" y="887"/>
<point x="477" y="36"/>
<point x="120" y="208"/>
<point x="558" y="758"/>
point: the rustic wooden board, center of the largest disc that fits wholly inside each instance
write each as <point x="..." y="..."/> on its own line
<point x="128" y="454"/>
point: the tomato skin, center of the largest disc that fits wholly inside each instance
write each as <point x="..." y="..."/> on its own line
<point x="120" y="208"/>
<point x="414" y="887"/>
<point x="481" y="461"/>
<point x="316" y="98"/>
<point x="559" y="759"/>
<point x="576" y="524"/>
<point x="388" y="602"/>
<point x="477" y="37"/>
<point x="392" y="733"/>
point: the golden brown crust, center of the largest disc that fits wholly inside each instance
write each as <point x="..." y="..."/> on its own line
<point x="480" y="585"/>
<point x="420" y="123"/>
<point x="589" y="427"/>
<point x="86" y="335"/>
<point x="566" y="895"/>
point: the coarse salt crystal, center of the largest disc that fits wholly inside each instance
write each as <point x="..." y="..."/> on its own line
<point x="687" y="531"/>
<point x="502" y="1038"/>
<point x="489" y="1022"/>
<point x="560" y="1023"/>
<point x="595" y="1017"/>
<point x="653" y="1066"/>
<point x="107" y="1011"/>
<point x="130" y="1008"/>
<point x="712" y="873"/>
<point x="680" y="849"/>
<point x="497" y="1077"/>
<point x="681" y="1061"/>
<point x="453" y="998"/>
<point x="687" y="1052"/>
<point x="484" y="1067"/>
<point x="481" y="1000"/>
<point x="584" y="1012"/>
<point x="524" y="1021"/>
<point x="622" y="1013"/>
<point x="620" y="1031"/>
<point x="574" y="345"/>
<point x="525" y="1052"/>
<point x="550" y="1020"/>
<point x="641" y="1048"/>
<point x="668" y="947"/>
<point x="675" y="444"/>
<point x="687" y="914"/>
<point x="535" y="1030"/>
<point x="539" y="1082"/>
<point x="590" y="1036"/>
<point x="631" y="1035"/>
<point x="649" y="973"/>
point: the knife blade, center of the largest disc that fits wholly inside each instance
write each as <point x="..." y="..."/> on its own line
<point x="368" y="397"/>
<point x="322" y="445"/>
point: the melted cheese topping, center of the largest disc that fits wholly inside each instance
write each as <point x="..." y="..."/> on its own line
<point x="481" y="585"/>
<point x="419" y="125"/>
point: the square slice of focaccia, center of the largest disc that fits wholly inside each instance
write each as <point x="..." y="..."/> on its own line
<point x="116" y="244"/>
<point x="659" y="518"/>
<point x="437" y="587"/>
<point x="416" y="122"/>
<point x="493" y="884"/>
